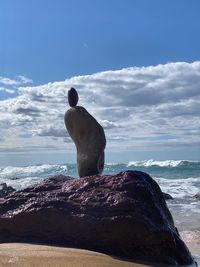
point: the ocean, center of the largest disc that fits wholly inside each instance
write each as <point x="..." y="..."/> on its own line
<point x="179" y="178"/>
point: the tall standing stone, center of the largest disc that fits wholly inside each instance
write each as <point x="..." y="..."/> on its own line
<point x="88" y="136"/>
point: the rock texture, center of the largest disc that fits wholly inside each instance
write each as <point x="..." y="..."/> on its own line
<point x="5" y="190"/>
<point x="167" y="196"/>
<point x="123" y="215"/>
<point x="89" y="138"/>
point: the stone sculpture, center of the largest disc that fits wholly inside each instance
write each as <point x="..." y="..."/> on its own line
<point x="88" y="136"/>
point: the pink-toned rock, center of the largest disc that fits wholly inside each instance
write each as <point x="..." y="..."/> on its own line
<point x="123" y="215"/>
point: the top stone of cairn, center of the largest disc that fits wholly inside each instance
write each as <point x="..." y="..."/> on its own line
<point x="72" y="97"/>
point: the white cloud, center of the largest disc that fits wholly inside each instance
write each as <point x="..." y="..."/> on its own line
<point x="9" y="91"/>
<point x="24" y="79"/>
<point x="21" y="79"/>
<point x="10" y="86"/>
<point x="7" y="81"/>
<point x="140" y="108"/>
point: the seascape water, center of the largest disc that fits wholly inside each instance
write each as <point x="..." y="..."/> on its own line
<point x="180" y="179"/>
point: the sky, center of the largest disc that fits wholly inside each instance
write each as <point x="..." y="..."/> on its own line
<point x="134" y="63"/>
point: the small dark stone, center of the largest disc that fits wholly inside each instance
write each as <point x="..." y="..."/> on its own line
<point x="167" y="196"/>
<point x="72" y="97"/>
<point x="122" y="215"/>
<point x="5" y="190"/>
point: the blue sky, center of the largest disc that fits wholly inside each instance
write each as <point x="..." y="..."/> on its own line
<point x="52" y="40"/>
<point x="47" y="41"/>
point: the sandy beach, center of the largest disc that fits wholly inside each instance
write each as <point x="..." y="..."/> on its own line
<point x="13" y="254"/>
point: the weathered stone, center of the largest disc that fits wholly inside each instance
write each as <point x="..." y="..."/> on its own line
<point x="89" y="138"/>
<point x="72" y="97"/>
<point x="123" y="215"/>
<point x="5" y="190"/>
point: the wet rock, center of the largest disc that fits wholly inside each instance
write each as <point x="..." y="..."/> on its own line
<point x="5" y="190"/>
<point x="89" y="138"/>
<point x="167" y="196"/>
<point x="123" y="215"/>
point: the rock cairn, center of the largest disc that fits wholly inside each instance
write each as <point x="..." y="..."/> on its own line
<point x="88" y="136"/>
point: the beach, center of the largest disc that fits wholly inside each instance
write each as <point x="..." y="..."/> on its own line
<point x="25" y="255"/>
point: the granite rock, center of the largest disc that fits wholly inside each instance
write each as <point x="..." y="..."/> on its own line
<point x="122" y="215"/>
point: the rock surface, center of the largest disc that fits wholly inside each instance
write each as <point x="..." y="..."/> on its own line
<point x="167" y="196"/>
<point x="89" y="138"/>
<point x="123" y="215"/>
<point x="5" y="190"/>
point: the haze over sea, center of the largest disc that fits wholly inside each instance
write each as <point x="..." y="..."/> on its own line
<point x="179" y="178"/>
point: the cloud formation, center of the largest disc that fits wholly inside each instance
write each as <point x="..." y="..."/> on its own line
<point x="9" y="87"/>
<point x="20" y="79"/>
<point x="140" y="108"/>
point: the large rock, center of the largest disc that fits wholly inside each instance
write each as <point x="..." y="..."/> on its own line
<point x="88" y="136"/>
<point x="123" y="215"/>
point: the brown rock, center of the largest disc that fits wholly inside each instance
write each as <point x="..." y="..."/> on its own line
<point x="123" y="215"/>
<point x="89" y="138"/>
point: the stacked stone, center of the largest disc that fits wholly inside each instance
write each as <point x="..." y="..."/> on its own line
<point x="88" y="136"/>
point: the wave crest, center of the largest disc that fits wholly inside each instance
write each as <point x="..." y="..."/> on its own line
<point x="36" y="170"/>
<point x="159" y="163"/>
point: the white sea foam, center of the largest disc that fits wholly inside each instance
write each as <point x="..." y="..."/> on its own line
<point x="180" y="188"/>
<point x="192" y="240"/>
<point x="14" y="172"/>
<point x="151" y="162"/>
<point x="22" y="177"/>
<point x="191" y="236"/>
<point x="112" y="164"/>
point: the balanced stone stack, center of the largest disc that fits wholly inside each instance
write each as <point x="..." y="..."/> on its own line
<point x="88" y="136"/>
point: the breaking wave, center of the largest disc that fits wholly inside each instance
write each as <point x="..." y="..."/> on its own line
<point x="165" y="163"/>
<point x="37" y="170"/>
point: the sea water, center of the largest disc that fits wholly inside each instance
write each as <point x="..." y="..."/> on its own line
<point x="179" y="178"/>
